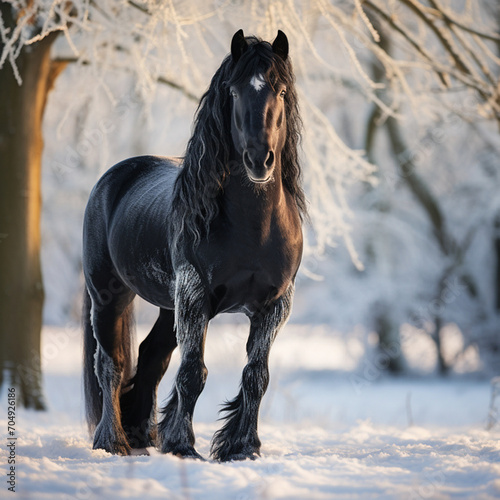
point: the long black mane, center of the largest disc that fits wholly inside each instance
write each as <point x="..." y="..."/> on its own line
<point x="207" y="159"/>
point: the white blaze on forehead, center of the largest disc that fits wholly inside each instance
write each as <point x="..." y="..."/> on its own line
<point x="257" y="82"/>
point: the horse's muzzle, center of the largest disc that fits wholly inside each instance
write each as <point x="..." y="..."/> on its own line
<point x="259" y="166"/>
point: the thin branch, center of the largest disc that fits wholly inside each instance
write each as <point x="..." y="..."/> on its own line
<point x="144" y="10"/>
<point x="366" y="20"/>
<point x="63" y="61"/>
<point x="390" y="20"/>
<point x="446" y="17"/>
<point x="480" y="63"/>
<point x="183" y="21"/>
<point x="378" y="76"/>
<point x="180" y="88"/>
<point x="476" y="57"/>
<point x="463" y="74"/>
<point x="371" y="129"/>
<point x="418" y="186"/>
<point x="418" y="9"/>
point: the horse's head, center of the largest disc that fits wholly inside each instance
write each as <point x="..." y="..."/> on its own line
<point x="260" y="123"/>
<point x="258" y="110"/>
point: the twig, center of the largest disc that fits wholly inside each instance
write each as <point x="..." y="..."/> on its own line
<point x="144" y="10"/>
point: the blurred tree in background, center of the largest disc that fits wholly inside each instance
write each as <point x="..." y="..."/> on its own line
<point x="24" y="94"/>
<point x="411" y="86"/>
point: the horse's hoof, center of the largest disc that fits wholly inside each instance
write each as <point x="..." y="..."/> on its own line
<point x="192" y="454"/>
<point x="184" y="452"/>
<point x="108" y="441"/>
<point x="227" y="448"/>
<point x="238" y="457"/>
<point x="238" y="454"/>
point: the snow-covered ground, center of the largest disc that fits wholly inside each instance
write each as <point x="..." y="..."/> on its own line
<point x="332" y="426"/>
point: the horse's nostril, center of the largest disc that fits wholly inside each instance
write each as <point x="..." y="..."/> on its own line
<point x="247" y="160"/>
<point x="270" y="159"/>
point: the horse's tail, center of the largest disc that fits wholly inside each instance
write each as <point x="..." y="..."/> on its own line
<point x="92" y="390"/>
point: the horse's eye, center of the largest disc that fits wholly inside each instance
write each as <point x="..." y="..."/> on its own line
<point x="234" y="94"/>
<point x="283" y="94"/>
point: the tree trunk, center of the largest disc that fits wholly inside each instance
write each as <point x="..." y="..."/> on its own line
<point x="389" y="341"/>
<point x="389" y="345"/>
<point x="21" y="289"/>
<point x="443" y="368"/>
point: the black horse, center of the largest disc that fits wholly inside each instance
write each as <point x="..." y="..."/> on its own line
<point x="217" y="231"/>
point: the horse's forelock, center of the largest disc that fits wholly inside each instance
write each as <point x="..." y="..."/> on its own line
<point x="259" y="59"/>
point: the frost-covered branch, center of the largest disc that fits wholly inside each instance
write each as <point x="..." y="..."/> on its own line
<point x="444" y="13"/>
<point x="180" y="44"/>
<point x="470" y="60"/>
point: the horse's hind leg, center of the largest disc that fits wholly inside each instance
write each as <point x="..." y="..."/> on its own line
<point x="112" y="322"/>
<point x="139" y="404"/>
<point x="238" y="438"/>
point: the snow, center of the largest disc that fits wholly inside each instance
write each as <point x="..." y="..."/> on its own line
<point x="329" y="429"/>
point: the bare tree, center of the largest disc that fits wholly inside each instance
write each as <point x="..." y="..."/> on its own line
<point x="428" y="31"/>
<point x="21" y="289"/>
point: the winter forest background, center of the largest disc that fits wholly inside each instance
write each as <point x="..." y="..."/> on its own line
<point x="400" y="151"/>
<point x="400" y="101"/>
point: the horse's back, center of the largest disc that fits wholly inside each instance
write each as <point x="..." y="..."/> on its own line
<point x="128" y="174"/>
<point x="127" y="215"/>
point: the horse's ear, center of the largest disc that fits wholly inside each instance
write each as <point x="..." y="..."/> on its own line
<point x="238" y="45"/>
<point x="280" y="45"/>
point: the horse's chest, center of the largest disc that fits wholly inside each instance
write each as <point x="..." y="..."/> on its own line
<point x="248" y="265"/>
<point x="245" y="281"/>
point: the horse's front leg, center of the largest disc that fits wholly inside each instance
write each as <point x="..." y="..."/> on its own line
<point x="238" y="438"/>
<point x="175" y="431"/>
